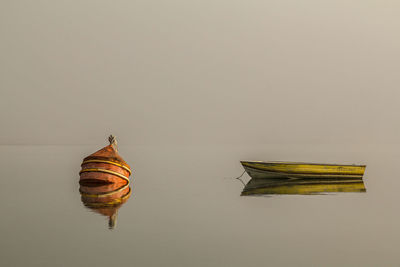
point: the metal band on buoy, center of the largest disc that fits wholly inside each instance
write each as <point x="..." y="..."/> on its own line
<point x="104" y="194"/>
<point x="105" y="171"/>
<point x="107" y="161"/>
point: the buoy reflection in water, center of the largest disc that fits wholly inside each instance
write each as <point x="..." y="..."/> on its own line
<point x="105" y="199"/>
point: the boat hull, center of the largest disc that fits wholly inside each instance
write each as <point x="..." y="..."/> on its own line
<point x="261" y="170"/>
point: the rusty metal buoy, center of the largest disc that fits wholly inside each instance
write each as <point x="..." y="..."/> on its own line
<point x="105" y="166"/>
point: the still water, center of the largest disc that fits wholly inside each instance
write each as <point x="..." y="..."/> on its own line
<point x="187" y="209"/>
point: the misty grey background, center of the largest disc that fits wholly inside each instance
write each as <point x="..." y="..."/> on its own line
<point x="197" y="72"/>
<point x="190" y="88"/>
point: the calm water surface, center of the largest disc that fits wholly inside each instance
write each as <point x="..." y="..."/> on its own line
<point x="186" y="209"/>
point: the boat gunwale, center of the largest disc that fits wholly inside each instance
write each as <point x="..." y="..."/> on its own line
<point x="310" y="175"/>
<point x="301" y="163"/>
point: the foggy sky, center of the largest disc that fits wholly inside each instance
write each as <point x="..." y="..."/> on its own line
<point x="199" y="72"/>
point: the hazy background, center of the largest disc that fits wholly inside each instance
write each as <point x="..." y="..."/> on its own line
<point x="197" y="72"/>
<point x="190" y="88"/>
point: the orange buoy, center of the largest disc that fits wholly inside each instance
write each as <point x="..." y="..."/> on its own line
<point x="105" y="166"/>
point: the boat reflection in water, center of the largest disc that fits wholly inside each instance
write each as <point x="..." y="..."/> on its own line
<point x="302" y="186"/>
<point x="105" y="199"/>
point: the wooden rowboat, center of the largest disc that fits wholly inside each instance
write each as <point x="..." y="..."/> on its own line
<point x="272" y="169"/>
<point x="289" y="186"/>
<point x="105" y="166"/>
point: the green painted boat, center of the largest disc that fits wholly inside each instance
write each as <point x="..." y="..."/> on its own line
<point x="282" y="186"/>
<point x="277" y="169"/>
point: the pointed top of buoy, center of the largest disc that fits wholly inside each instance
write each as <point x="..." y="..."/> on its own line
<point x="113" y="141"/>
<point x="109" y="152"/>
